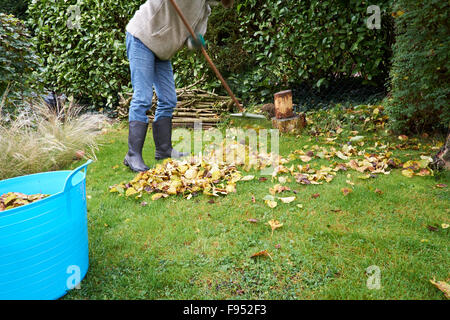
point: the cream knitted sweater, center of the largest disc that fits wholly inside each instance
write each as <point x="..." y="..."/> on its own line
<point x="159" y="27"/>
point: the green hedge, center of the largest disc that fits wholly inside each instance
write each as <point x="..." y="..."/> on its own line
<point x="260" y="46"/>
<point x="18" y="60"/>
<point x="17" y="8"/>
<point x="224" y="45"/>
<point x="420" y="92"/>
<point x="313" y="42"/>
<point x="266" y="46"/>
<point x="88" y="62"/>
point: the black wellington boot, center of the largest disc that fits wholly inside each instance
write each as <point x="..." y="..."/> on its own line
<point x="162" y="135"/>
<point x="136" y="139"/>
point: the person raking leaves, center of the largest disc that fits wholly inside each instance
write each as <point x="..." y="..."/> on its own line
<point x="153" y="36"/>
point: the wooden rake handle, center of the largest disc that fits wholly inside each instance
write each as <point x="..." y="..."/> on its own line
<point x="208" y="59"/>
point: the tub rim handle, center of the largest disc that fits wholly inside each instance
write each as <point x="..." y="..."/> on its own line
<point x="68" y="183"/>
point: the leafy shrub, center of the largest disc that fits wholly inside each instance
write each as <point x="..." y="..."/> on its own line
<point x="224" y="45"/>
<point x="314" y="42"/>
<point x="18" y="60"/>
<point x="259" y="46"/>
<point x="420" y="72"/>
<point x="40" y="139"/>
<point x="84" y="57"/>
<point x="266" y="46"/>
<point x="17" y="8"/>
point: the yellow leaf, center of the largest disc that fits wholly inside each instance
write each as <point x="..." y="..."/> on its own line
<point x="10" y="199"/>
<point x="282" y="180"/>
<point x="443" y="286"/>
<point x="172" y="190"/>
<point x="287" y="199"/>
<point x="247" y="178"/>
<point x="408" y="173"/>
<point x="215" y="174"/>
<point x="445" y="226"/>
<point x="423" y="163"/>
<point x="157" y="196"/>
<point x="305" y="158"/>
<point x="231" y="188"/>
<point x="191" y="173"/>
<point x="272" y="204"/>
<point x="340" y="155"/>
<point x="130" y="192"/>
<point x="274" y="224"/>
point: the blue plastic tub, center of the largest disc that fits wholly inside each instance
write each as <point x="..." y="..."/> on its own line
<point x="44" y="245"/>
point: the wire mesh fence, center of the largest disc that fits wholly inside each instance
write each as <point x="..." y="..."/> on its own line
<point x="347" y="92"/>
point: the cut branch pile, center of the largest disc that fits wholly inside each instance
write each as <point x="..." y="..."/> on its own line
<point x="194" y="105"/>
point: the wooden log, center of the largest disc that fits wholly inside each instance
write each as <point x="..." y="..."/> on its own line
<point x="192" y="120"/>
<point x="201" y="119"/>
<point x="209" y="111"/>
<point x="191" y="125"/>
<point x="294" y="124"/>
<point x="194" y="114"/>
<point x="283" y="105"/>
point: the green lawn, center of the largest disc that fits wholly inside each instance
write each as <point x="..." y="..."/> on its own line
<point x="192" y="249"/>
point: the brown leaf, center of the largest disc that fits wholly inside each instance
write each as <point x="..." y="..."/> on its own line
<point x="315" y="195"/>
<point x="253" y="220"/>
<point x="261" y="253"/>
<point x="378" y="191"/>
<point x="79" y="154"/>
<point x="274" y="224"/>
<point x="441" y="185"/>
<point x="278" y="188"/>
<point x="346" y="191"/>
<point x="443" y="286"/>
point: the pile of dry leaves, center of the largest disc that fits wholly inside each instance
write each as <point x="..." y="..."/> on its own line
<point x="13" y="200"/>
<point x="213" y="174"/>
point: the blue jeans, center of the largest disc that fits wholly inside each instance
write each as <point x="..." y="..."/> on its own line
<point x="148" y="71"/>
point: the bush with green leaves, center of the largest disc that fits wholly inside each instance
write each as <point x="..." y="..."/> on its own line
<point x="86" y="58"/>
<point x="18" y="60"/>
<point x="17" y="8"/>
<point x="313" y="42"/>
<point x="259" y="46"/>
<point x="420" y="74"/>
<point x="224" y="45"/>
<point x="83" y="45"/>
